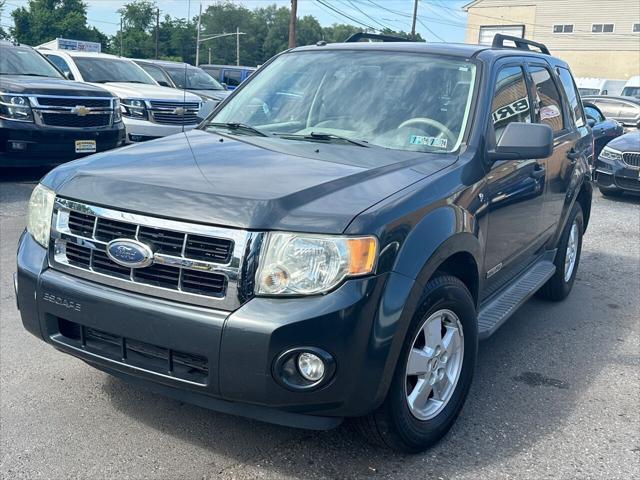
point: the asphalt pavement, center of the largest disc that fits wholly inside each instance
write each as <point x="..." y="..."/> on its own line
<point x="556" y="394"/>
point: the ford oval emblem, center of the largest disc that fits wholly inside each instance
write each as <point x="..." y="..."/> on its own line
<point x="129" y="253"/>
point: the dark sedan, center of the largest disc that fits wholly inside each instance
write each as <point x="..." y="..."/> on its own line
<point x="604" y="129"/>
<point x="618" y="166"/>
<point x="625" y="110"/>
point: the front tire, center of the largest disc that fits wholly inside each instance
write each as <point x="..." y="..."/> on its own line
<point x="567" y="259"/>
<point x="433" y="374"/>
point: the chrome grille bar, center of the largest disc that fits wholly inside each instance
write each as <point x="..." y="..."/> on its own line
<point x="63" y="236"/>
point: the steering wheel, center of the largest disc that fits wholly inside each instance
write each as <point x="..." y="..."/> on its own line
<point x="442" y="129"/>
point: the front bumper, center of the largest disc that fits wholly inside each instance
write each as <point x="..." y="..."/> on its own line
<point x="616" y="175"/>
<point x="25" y="144"/>
<point x="141" y="130"/>
<point x="356" y="324"/>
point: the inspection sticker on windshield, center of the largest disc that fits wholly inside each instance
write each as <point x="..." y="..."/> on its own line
<point x="428" y="141"/>
<point x="85" y="146"/>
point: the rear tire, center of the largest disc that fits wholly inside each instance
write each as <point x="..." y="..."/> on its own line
<point x="567" y="259"/>
<point x="417" y="413"/>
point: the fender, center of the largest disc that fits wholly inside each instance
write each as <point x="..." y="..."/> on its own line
<point x="435" y="239"/>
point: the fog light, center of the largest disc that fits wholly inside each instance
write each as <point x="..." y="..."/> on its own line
<point x="311" y="366"/>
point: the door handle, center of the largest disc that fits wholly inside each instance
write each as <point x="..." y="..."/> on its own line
<point x="538" y="171"/>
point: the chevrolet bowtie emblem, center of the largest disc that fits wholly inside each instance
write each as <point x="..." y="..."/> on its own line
<point x="179" y="111"/>
<point x="80" y="110"/>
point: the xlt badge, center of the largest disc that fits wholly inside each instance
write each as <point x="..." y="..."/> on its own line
<point x="62" y="301"/>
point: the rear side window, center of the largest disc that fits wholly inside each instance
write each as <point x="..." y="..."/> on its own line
<point x="232" y="77"/>
<point x="510" y="100"/>
<point x="549" y="105"/>
<point x="572" y="95"/>
<point x="610" y="108"/>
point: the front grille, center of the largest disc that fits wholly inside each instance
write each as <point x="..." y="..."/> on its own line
<point x="74" y="102"/>
<point x="163" y="112"/>
<point x="75" y="121"/>
<point x="155" y="358"/>
<point x="191" y="263"/>
<point x="631" y="159"/>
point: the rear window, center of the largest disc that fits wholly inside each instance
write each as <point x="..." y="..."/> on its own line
<point x="572" y="96"/>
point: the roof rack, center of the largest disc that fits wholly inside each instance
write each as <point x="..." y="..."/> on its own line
<point x="521" y="43"/>
<point x="356" y="37"/>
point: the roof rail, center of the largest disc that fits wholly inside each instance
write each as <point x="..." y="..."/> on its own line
<point x="356" y="37"/>
<point x="521" y="43"/>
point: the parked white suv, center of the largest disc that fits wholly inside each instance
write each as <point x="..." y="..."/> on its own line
<point x="148" y="109"/>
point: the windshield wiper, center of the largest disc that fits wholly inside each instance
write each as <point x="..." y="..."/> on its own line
<point x="31" y="74"/>
<point x="327" y="137"/>
<point x="239" y="127"/>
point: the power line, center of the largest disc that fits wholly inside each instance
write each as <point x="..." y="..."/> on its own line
<point x="346" y="16"/>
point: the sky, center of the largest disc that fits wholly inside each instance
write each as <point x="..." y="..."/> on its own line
<point x="438" y="20"/>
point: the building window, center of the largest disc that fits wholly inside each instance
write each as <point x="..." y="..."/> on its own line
<point x="602" y="28"/>
<point x="636" y="28"/>
<point x="488" y="32"/>
<point x="563" y="29"/>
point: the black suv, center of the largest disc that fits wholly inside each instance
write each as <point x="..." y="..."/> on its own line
<point x="322" y="247"/>
<point x="46" y="119"/>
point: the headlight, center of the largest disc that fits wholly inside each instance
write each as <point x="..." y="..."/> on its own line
<point x="307" y="264"/>
<point x="133" y="108"/>
<point x="15" y="107"/>
<point x="39" y="214"/>
<point x="117" y="113"/>
<point x="609" y="153"/>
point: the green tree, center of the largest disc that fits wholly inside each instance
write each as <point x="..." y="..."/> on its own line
<point x="3" y="34"/>
<point x="339" y="32"/>
<point x="137" y="35"/>
<point x="44" y="20"/>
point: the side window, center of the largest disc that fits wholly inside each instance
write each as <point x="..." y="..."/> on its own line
<point x="232" y="77"/>
<point x="572" y="95"/>
<point x="510" y="100"/>
<point x="548" y="103"/>
<point x="593" y="114"/>
<point x="214" y="72"/>
<point x="609" y="108"/>
<point x="59" y="62"/>
<point x="157" y="74"/>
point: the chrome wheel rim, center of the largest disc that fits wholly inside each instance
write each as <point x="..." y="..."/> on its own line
<point x="434" y="364"/>
<point x="572" y="252"/>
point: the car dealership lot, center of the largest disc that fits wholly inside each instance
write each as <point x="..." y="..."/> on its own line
<point x="557" y="393"/>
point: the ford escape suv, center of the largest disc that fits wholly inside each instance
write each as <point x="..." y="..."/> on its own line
<point x="322" y="248"/>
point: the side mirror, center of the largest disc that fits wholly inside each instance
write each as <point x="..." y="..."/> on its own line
<point x="591" y="122"/>
<point x="164" y="83"/>
<point x="225" y="85"/>
<point x="69" y="75"/>
<point x="524" y="141"/>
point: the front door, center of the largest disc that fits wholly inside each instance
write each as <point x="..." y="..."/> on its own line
<point x="514" y="188"/>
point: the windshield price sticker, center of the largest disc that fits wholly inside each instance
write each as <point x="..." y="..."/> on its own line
<point x="428" y="141"/>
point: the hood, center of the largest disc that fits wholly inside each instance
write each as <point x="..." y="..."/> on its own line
<point x="258" y="183"/>
<point x="629" y="142"/>
<point x="147" y="92"/>
<point x="49" y="86"/>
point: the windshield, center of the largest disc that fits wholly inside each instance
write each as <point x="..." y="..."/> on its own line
<point x="196" y="79"/>
<point x="394" y="100"/>
<point x="102" y="70"/>
<point x="24" y="61"/>
<point x="631" y="92"/>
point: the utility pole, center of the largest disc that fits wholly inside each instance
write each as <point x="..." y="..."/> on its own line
<point x="198" y="37"/>
<point x="157" y="29"/>
<point x="120" y="35"/>
<point x="415" y="15"/>
<point x="238" y="46"/>
<point x="209" y="55"/>
<point x="292" y="23"/>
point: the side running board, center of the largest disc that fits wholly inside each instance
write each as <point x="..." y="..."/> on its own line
<point x="499" y="309"/>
